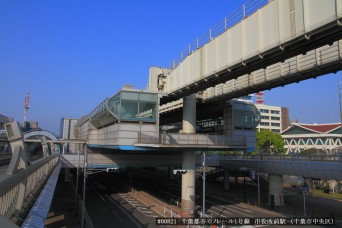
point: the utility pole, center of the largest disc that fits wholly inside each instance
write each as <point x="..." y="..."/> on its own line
<point x="258" y="180"/>
<point x="203" y="197"/>
<point x="84" y="184"/>
<point x="340" y="98"/>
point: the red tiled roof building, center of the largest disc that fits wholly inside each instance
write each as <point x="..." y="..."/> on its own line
<point x="325" y="137"/>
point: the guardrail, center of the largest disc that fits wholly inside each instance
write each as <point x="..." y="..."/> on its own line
<point x="23" y="179"/>
<point x="299" y="157"/>
<point x="172" y="213"/>
<point x="16" y="187"/>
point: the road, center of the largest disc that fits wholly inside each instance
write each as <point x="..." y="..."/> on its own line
<point x="108" y="205"/>
<point x="217" y="205"/>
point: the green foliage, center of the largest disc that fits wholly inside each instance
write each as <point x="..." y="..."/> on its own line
<point x="326" y="189"/>
<point x="269" y="142"/>
<point x="313" y="151"/>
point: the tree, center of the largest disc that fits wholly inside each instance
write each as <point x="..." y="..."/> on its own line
<point x="313" y="151"/>
<point x="269" y="142"/>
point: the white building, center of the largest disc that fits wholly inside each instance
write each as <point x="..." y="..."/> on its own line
<point x="325" y="137"/>
<point x="273" y="118"/>
<point x="68" y="131"/>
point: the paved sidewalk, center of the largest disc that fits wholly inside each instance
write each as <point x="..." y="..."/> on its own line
<point x="315" y="206"/>
<point x="293" y="199"/>
<point x="161" y="208"/>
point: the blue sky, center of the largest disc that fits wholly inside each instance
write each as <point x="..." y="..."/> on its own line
<point x="71" y="55"/>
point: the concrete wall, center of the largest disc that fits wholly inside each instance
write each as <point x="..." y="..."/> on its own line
<point x="122" y="134"/>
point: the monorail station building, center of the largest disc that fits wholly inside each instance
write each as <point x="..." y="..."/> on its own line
<point x="131" y="129"/>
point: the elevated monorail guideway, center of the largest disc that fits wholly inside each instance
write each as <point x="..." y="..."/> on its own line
<point x="276" y="32"/>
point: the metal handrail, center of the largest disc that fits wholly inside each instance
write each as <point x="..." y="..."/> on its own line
<point x="229" y="21"/>
<point x="276" y="157"/>
<point x="5" y="156"/>
<point x="168" y="138"/>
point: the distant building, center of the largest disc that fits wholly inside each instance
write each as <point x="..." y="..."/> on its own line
<point x="29" y="126"/>
<point x="4" y="120"/>
<point x="273" y="118"/>
<point x="68" y="131"/>
<point x="325" y="137"/>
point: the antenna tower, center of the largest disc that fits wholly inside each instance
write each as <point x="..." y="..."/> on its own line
<point x="26" y="107"/>
<point x="260" y="97"/>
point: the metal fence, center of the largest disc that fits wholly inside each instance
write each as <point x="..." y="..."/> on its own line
<point x="167" y="138"/>
<point x="274" y="157"/>
<point x="229" y="21"/>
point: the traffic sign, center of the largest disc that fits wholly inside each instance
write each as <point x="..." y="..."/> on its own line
<point x="304" y="188"/>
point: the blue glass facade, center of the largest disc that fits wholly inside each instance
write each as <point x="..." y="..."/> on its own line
<point x="131" y="106"/>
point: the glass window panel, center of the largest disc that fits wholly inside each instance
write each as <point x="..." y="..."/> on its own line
<point x="148" y="97"/>
<point x="249" y="108"/>
<point x="129" y="110"/>
<point x="114" y="104"/>
<point x="239" y="106"/>
<point x="246" y="116"/>
<point x="238" y="119"/>
<point x="147" y="110"/>
<point x="249" y="120"/>
<point x="130" y="96"/>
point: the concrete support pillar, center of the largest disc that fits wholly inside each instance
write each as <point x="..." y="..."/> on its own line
<point x="189" y="157"/>
<point x="189" y="114"/>
<point x="226" y="186"/>
<point x="276" y="194"/>
<point x="228" y="125"/>
<point x="188" y="182"/>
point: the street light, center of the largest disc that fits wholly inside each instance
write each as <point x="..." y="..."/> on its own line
<point x="304" y="189"/>
<point x="84" y="184"/>
<point x="258" y="180"/>
<point x="78" y="173"/>
<point x="203" y="212"/>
